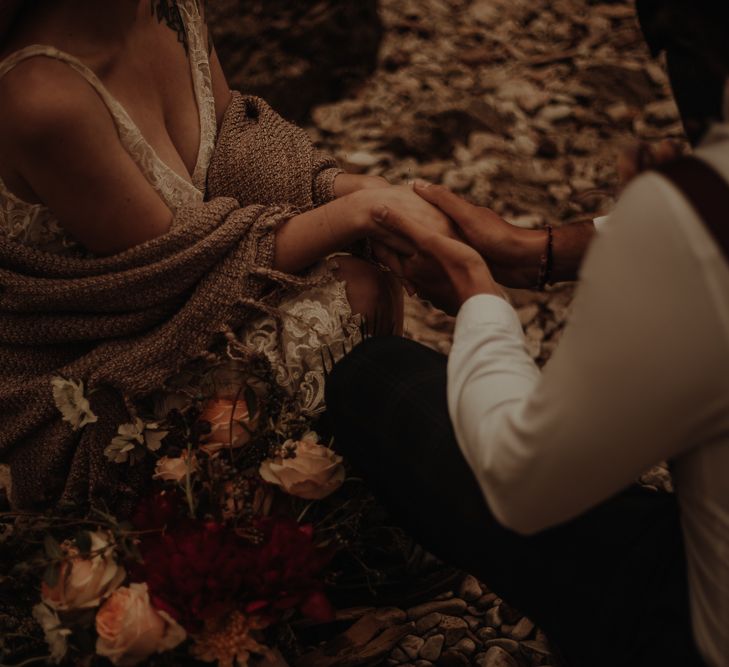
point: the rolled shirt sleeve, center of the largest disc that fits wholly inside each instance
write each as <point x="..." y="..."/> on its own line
<point x="618" y="393"/>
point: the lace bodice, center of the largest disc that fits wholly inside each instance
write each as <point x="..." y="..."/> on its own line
<point x="35" y="225"/>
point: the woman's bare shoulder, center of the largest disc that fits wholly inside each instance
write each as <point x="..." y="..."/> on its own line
<point x="42" y="98"/>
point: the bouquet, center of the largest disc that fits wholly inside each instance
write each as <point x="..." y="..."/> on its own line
<point x="219" y="555"/>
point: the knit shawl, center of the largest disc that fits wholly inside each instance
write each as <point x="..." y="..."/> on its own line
<point x="123" y="324"/>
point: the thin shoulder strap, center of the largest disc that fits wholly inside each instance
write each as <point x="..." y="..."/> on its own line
<point x="707" y="191"/>
<point x="128" y="131"/>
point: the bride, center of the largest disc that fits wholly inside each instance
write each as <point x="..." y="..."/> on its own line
<point x="110" y="113"/>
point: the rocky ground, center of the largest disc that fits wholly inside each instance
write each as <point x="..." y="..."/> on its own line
<point x="523" y="106"/>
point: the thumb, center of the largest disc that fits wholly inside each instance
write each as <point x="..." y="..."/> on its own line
<point x="400" y="225"/>
<point x="455" y="207"/>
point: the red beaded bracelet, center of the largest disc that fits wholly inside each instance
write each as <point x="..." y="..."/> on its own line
<point x="546" y="261"/>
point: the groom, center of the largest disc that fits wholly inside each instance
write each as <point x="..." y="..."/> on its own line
<point x="525" y="479"/>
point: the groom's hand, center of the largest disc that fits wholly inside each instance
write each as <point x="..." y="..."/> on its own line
<point x="512" y="253"/>
<point x="442" y="270"/>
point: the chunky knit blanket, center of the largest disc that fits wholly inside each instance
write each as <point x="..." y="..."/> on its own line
<point x="123" y="324"/>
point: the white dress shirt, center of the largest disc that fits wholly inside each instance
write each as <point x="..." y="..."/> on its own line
<point x="641" y="375"/>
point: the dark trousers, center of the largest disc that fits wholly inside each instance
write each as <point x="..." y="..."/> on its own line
<point x="609" y="588"/>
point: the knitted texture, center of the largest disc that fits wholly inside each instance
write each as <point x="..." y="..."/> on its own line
<point x="124" y="324"/>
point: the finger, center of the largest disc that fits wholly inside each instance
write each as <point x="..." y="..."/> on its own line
<point x="452" y="205"/>
<point x="390" y="259"/>
<point x="402" y="226"/>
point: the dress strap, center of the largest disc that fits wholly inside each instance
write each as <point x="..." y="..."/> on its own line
<point x="128" y="131"/>
<point x="202" y="81"/>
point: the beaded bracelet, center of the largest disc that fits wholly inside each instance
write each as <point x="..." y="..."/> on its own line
<point x="546" y="261"/>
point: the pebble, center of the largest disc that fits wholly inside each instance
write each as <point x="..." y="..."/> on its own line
<point x="495" y="657"/>
<point x="466" y="646"/>
<point x="508" y="645"/>
<point x="522" y="629"/>
<point x="470" y="589"/>
<point x="458" y="180"/>
<point x="452" y="607"/>
<point x="554" y="113"/>
<point x="428" y="622"/>
<point x="453" y="659"/>
<point x="398" y="655"/>
<point x="432" y="647"/>
<point x="454" y="629"/>
<point x="473" y="622"/>
<point x="486" y="634"/>
<point x="360" y="161"/>
<point x="493" y="617"/>
<point x="486" y="600"/>
<point x="411" y="645"/>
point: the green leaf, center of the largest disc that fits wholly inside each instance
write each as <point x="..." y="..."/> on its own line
<point x="83" y="542"/>
<point x="52" y="574"/>
<point x="52" y="548"/>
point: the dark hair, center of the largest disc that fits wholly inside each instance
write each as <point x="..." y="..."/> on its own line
<point x="694" y="34"/>
<point x="700" y="27"/>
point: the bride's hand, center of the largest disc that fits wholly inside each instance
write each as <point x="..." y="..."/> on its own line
<point x="402" y="200"/>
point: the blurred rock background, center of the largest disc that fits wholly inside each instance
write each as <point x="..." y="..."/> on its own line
<point x="519" y="105"/>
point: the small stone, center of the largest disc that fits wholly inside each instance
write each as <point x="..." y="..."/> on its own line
<point x="522" y="629"/>
<point x="453" y="607"/>
<point x="525" y="145"/>
<point x="432" y="647"/>
<point x="536" y="647"/>
<point x="454" y="629"/>
<point x="458" y="180"/>
<point x="473" y="621"/>
<point x="528" y="313"/>
<point x="470" y="589"/>
<point x="493" y="617"/>
<point x="486" y="634"/>
<point x="399" y="655"/>
<point x="391" y="615"/>
<point x="453" y="659"/>
<point x="412" y="644"/>
<point x="486" y="600"/>
<point x="495" y="657"/>
<point x="465" y="646"/>
<point x="361" y="161"/>
<point x="555" y="113"/>
<point x="508" y="645"/>
<point x="508" y="613"/>
<point x="662" y="113"/>
<point x="560" y="192"/>
<point x="428" y="622"/>
<point x="620" y="112"/>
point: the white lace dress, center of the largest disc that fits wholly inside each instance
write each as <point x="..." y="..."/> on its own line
<point x="310" y="320"/>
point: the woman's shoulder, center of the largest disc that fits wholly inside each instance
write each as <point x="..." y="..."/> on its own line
<point x="42" y="98"/>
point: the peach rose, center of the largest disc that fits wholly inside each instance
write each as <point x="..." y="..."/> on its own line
<point x="230" y="424"/>
<point x="130" y="629"/>
<point x="174" y="469"/>
<point x="85" y="581"/>
<point x="313" y="472"/>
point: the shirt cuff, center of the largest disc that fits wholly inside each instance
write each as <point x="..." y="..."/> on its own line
<point x="486" y="310"/>
<point x="601" y="222"/>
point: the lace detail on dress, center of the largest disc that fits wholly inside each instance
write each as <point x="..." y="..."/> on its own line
<point x="202" y="81"/>
<point x="309" y="321"/>
<point x="34" y="224"/>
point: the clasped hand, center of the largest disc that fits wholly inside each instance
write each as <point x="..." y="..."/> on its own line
<point x="438" y="244"/>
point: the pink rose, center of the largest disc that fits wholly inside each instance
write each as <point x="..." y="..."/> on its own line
<point x="85" y="581"/>
<point x="174" y="469"/>
<point x="313" y="472"/>
<point x="130" y="629"/>
<point x="230" y="424"/>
